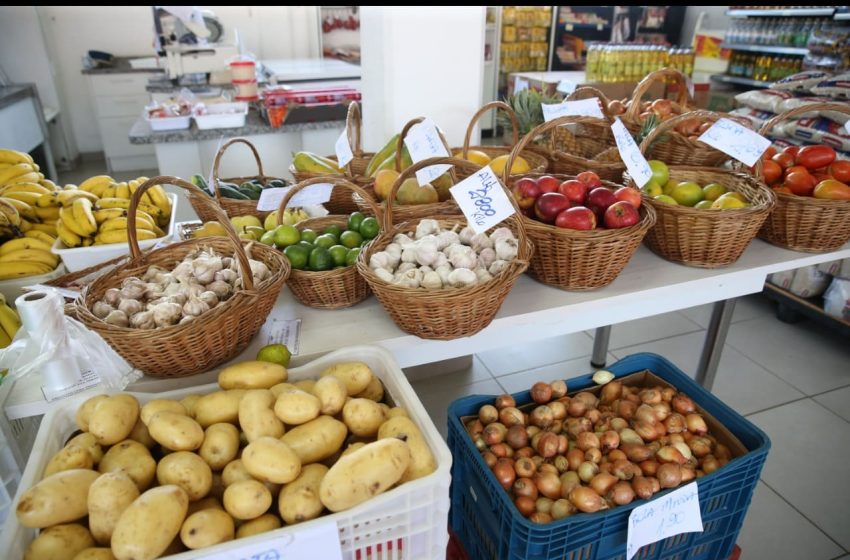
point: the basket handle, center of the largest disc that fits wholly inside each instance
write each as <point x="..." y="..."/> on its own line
<point x="684" y="97"/>
<point x="498" y="105"/>
<point x="587" y="92"/>
<point x="336" y="182"/>
<point x="239" y="252"/>
<point x="353" y="127"/>
<point x="220" y="153"/>
<point x="537" y="131"/>
<point x="709" y="116"/>
<point x="400" y="144"/>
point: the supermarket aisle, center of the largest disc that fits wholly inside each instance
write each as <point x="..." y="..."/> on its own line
<point x="790" y="380"/>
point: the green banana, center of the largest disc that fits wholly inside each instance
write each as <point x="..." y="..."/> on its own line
<point x="305" y="162"/>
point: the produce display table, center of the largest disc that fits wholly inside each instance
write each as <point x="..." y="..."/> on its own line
<point x="648" y="286"/>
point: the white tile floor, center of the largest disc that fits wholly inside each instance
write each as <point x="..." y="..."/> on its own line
<point x="793" y="381"/>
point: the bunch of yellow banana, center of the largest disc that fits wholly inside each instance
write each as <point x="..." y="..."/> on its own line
<point x="9" y="323"/>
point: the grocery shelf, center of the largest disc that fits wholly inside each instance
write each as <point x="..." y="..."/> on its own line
<point x="811" y="308"/>
<point x="842" y="16"/>
<point x="596" y="26"/>
<point x="774" y="49"/>
<point x="740" y="81"/>
<point x="791" y="12"/>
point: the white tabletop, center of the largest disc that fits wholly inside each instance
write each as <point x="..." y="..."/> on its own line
<point x="648" y="286"/>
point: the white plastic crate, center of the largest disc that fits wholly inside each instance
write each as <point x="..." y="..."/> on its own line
<point x="159" y="124"/>
<point x="408" y="522"/>
<point x="221" y="115"/>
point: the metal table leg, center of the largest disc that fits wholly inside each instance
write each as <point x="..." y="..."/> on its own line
<point x="715" y="338"/>
<point x="600" y="346"/>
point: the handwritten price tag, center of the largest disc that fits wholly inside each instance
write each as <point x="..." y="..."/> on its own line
<point x="676" y="513"/>
<point x="343" y="149"/>
<point x="482" y="200"/>
<point x="566" y="87"/>
<point x="314" y="194"/>
<point x="423" y="142"/>
<point x="318" y="541"/>
<point x="735" y="140"/>
<point x="630" y="154"/>
<point x="580" y="108"/>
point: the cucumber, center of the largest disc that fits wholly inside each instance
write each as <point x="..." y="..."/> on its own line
<point x="229" y="192"/>
<point x="275" y="184"/>
<point x="201" y="183"/>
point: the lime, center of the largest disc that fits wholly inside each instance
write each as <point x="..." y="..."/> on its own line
<point x="660" y="171"/>
<point x="307" y="245"/>
<point x="309" y="235"/>
<point x="354" y="220"/>
<point x="338" y="254"/>
<point x="351" y="239"/>
<point x="704" y="204"/>
<point x="352" y="255"/>
<point x="275" y="353"/>
<point x="284" y="236"/>
<point x="267" y="238"/>
<point x="297" y="255"/>
<point x="666" y="199"/>
<point x="369" y="228"/>
<point x="326" y="241"/>
<point x="320" y="259"/>
<point x="713" y="191"/>
<point x="336" y="231"/>
<point x="688" y="193"/>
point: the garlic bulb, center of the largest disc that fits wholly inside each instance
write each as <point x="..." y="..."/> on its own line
<point x="179" y="298"/>
<point x="507" y="248"/>
<point x="427" y="227"/>
<point x="153" y="290"/>
<point x="480" y="241"/>
<point x="176" y="288"/>
<point x="380" y="260"/>
<point x="220" y="288"/>
<point x="143" y="320"/>
<point x="183" y="272"/>
<point x="229" y="263"/>
<point x="384" y="274"/>
<point x="486" y="257"/>
<point x="210" y="298"/>
<point x="497" y="267"/>
<point x="425" y="252"/>
<point x="166" y="314"/>
<point x="482" y="275"/>
<point x="466" y="235"/>
<point x="443" y="272"/>
<point x="259" y="270"/>
<point x="408" y="255"/>
<point x="226" y="275"/>
<point x="425" y="269"/>
<point x="195" y="306"/>
<point x="405" y="266"/>
<point x="165" y="278"/>
<point x="463" y="257"/>
<point x="186" y="319"/>
<point x="441" y="260"/>
<point x="101" y="309"/>
<point x="502" y="233"/>
<point x="112" y="296"/>
<point x="431" y="280"/>
<point x="133" y="290"/>
<point x="446" y="238"/>
<point x="130" y="307"/>
<point x="204" y="268"/>
<point x="410" y="279"/>
<point x="117" y="318"/>
<point x="153" y="273"/>
<point x="462" y="278"/>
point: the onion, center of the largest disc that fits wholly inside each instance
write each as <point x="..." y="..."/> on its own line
<point x="606" y="467"/>
<point x="504" y="472"/>
<point x="538" y="460"/>
<point x="642" y="487"/>
<point x="616" y="107"/>
<point x="696" y="423"/>
<point x="540" y="518"/>
<point x="619" y="424"/>
<point x="526" y="452"/>
<point x="709" y="464"/>
<point x="511" y="416"/>
<point x="532" y="431"/>
<point x="611" y="392"/>
<point x="561" y="508"/>
<point x="650" y="396"/>
<point x="632" y="396"/>
<point x="682" y="404"/>
<point x="569" y="480"/>
<point x="474" y="428"/>
<point x="585" y="499"/>
<point x="525" y="467"/>
<point x="609" y="440"/>
<point x="541" y="392"/>
<point x="561" y="463"/>
<point x="556" y="426"/>
<point x="559" y="409"/>
<point x="575" y="426"/>
<point x="587" y="470"/>
<point x="646" y="430"/>
<point x="593" y="415"/>
<point x="722" y="452"/>
<point x="625" y="470"/>
<point x="576" y="408"/>
<point x="669" y="475"/>
<point x="516" y="436"/>
<point x="525" y="505"/>
<point x="488" y="414"/>
<point x="628" y="435"/>
<point x="495" y="433"/>
<point x="662" y="411"/>
<point x="675" y="423"/>
<point x="625" y="409"/>
<point x="645" y="413"/>
<point x="544" y="505"/>
<point x="603" y="482"/>
<point x="548" y="468"/>
<point x="575" y="457"/>
<point x="670" y="454"/>
<point x="559" y="388"/>
<point x="616" y="455"/>
<point x="636" y="452"/>
<point x="542" y="416"/>
<point x="563" y="444"/>
<point x="547" y="445"/>
<point x="525" y="487"/>
<point x="621" y="493"/>
<point x="589" y="399"/>
<point x="500" y="450"/>
<point x="648" y="467"/>
<point x="548" y="484"/>
<point x="688" y="474"/>
<point x="489" y="458"/>
<point x="667" y="394"/>
<point x="587" y="440"/>
<point x="683" y="449"/>
<point x="505" y="401"/>
<point x="656" y="486"/>
<point x="480" y="444"/>
<point x="594" y="455"/>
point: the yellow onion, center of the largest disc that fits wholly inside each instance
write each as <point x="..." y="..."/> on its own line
<point x="594" y="455"/>
<point x="587" y="440"/>
<point x="603" y="482"/>
<point x="511" y="416"/>
<point x="540" y="518"/>
<point x="621" y="493"/>
<point x="650" y="396"/>
<point x="559" y="388"/>
<point x="544" y="505"/>
<point x="532" y="431"/>
<point x="585" y="499"/>
<point x="525" y="467"/>
<point x="626" y="409"/>
<point x="474" y="427"/>
<point x="683" y="449"/>
<point x="495" y="433"/>
<point x="688" y="474"/>
<point x="575" y="426"/>
<point x="504" y="401"/>
<point x="562" y="508"/>
<point x="667" y="394"/>
<point x="575" y="457"/>
<point x="642" y="487"/>
<point x="646" y="430"/>
<point x="662" y="411"/>
<point x="542" y="416"/>
<point x="569" y="480"/>
<point x="709" y="464"/>
<point x="648" y="467"/>
<point x="556" y="426"/>
<point x="611" y="392"/>
<point x="589" y="399"/>
<point x="609" y="441"/>
<point x="516" y="436"/>
<point x="670" y="454"/>
<point x="682" y="404"/>
<point x="722" y="452"/>
<point x="525" y="505"/>
<point x="559" y="410"/>
<point x="675" y="423"/>
<point x="488" y="414"/>
<point x="563" y="444"/>
<point x="548" y="468"/>
<point x="505" y="473"/>
<point x="548" y="484"/>
<point x="669" y="475"/>
<point x="576" y="408"/>
<point x="696" y="424"/>
<point x="628" y="435"/>
<point x="561" y="463"/>
<point x="593" y="415"/>
<point x="547" y="445"/>
<point x="541" y="392"/>
<point x="587" y="470"/>
<point x="489" y="458"/>
<point x="525" y="487"/>
<point x="619" y="424"/>
<point x="616" y="455"/>
<point x="526" y="451"/>
<point x="625" y="470"/>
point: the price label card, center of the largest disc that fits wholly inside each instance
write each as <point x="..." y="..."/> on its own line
<point x="520" y="84"/>
<point x="344" y="155"/>
<point x="319" y="541"/>
<point x="581" y="108"/>
<point x="423" y="141"/>
<point x="630" y="154"/>
<point x="482" y="200"/>
<point x="735" y="140"/>
<point x="566" y="87"/>
<point x="285" y="331"/>
<point x="314" y="194"/>
<point x="676" y="513"/>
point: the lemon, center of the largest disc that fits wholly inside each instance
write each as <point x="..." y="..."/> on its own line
<point x="652" y="188"/>
<point x="275" y="353"/>
<point x="666" y="199"/>
<point x="704" y="204"/>
<point x="519" y="165"/>
<point x="714" y="191"/>
<point x="475" y="156"/>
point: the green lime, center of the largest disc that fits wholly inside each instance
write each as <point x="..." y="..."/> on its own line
<point x="338" y="254"/>
<point x="336" y="231"/>
<point x="267" y="238"/>
<point x="275" y="353"/>
<point x="309" y="246"/>
<point x="351" y="257"/>
<point x="320" y="259"/>
<point x="351" y="239"/>
<point x="297" y="255"/>
<point x="326" y="241"/>
<point x="284" y="236"/>
<point x="369" y="228"/>
<point x="309" y="235"/>
<point x="354" y="220"/>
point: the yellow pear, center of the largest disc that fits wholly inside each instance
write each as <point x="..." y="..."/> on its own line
<point x="384" y="182"/>
<point x="410" y="192"/>
<point x="210" y="229"/>
<point x="442" y="184"/>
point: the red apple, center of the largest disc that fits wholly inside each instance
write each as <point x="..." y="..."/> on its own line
<point x="577" y="217"/>
<point x="621" y="214"/>
<point x="598" y="200"/>
<point x="628" y="194"/>
<point x="590" y="179"/>
<point x="547" y="183"/>
<point x="525" y="192"/>
<point x="549" y="205"/>
<point x="575" y="190"/>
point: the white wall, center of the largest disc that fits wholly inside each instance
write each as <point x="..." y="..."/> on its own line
<point x="715" y="19"/>
<point x="420" y="61"/>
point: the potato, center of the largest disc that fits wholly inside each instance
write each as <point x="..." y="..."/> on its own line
<point x="90" y="444"/>
<point x="69" y="457"/>
<point x="269" y="459"/>
<point x="256" y="415"/>
<point x="95" y="554"/>
<point x="280" y="388"/>
<point x="146" y="528"/>
<point x="305" y="385"/>
<point x="189" y="402"/>
<point x="317" y="439"/>
<point x="221" y="406"/>
<point x="59" y="498"/>
<point x="112" y="419"/>
<point x="299" y="500"/>
<point x="84" y="412"/>
<point x="397" y="411"/>
<point x="355" y="375"/>
<point x="331" y="393"/>
<point x="251" y="375"/>
<point x="247" y="499"/>
<point x="220" y="446"/>
<point x="234" y="472"/>
<point x="186" y="470"/>
<point x="422" y="462"/>
<point x="352" y="447"/>
<point x="159" y="405"/>
<point x="108" y="497"/>
<point x="363" y="474"/>
<point x="363" y="417"/>
<point x="206" y="528"/>
<point x="60" y="542"/>
<point x="262" y="524"/>
<point x="374" y="391"/>
<point x="295" y="407"/>
<point x="141" y="434"/>
<point x="134" y="459"/>
<point x="210" y="502"/>
<point x="177" y="432"/>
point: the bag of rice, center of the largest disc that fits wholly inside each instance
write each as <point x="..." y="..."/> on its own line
<point x="756" y="117"/>
<point x="796" y="102"/>
<point x="817" y="131"/>
<point x="764" y="100"/>
<point x="837" y="87"/>
<point x="801" y="82"/>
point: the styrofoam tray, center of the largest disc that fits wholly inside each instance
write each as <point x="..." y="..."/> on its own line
<point x="78" y="258"/>
<point x="159" y="124"/>
<point x="222" y="115"/>
<point x="409" y="521"/>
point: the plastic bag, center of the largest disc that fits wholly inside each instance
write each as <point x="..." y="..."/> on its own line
<point x="801" y="81"/>
<point x="837" y="87"/>
<point x="817" y="131"/>
<point x="756" y="116"/>
<point x="789" y="104"/>
<point x="764" y="100"/>
<point x="809" y="282"/>
<point x="836" y="301"/>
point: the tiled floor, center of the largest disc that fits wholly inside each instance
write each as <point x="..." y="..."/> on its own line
<point x="793" y="381"/>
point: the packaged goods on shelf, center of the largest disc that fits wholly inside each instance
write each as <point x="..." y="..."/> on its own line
<point x="801" y="82"/>
<point x="795" y="102"/>
<point x="837" y="87"/>
<point x="840" y="268"/>
<point x="836" y="300"/>
<point x="631" y="62"/>
<point x="805" y="282"/>
<point x="764" y="100"/>
<point x="818" y="131"/>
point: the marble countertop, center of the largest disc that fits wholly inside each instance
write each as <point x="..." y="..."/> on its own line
<point x="121" y="65"/>
<point x="14" y="93"/>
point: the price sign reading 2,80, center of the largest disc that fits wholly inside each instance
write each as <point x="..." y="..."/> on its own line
<point x="480" y="197"/>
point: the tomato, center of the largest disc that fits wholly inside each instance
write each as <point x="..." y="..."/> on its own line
<point x="812" y="157"/>
<point x="801" y="183"/>
<point x="772" y="172"/>
<point x="782" y="189"/>
<point x="784" y="160"/>
<point x="822" y="176"/>
<point x="832" y="190"/>
<point x="840" y="170"/>
<point x="792" y="150"/>
<point x="768" y="153"/>
<point x="794" y="168"/>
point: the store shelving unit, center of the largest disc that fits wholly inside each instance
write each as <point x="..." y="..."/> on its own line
<point x="771" y="49"/>
<point x="736" y="80"/>
<point x="791" y="12"/>
<point x="792" y="308"/>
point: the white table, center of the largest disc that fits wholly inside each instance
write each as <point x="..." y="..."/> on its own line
<point x="648" y="286"/>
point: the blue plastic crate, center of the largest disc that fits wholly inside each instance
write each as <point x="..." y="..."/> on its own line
<point x="490" y="527"/>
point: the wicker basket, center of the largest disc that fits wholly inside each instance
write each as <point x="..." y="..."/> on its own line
<point x="329" y="289"/>
<point x="536" y="162"/>
<point x="805" y="223"/>
<point x="355" y="172"/>
<point x="448" y="313"/>
<point x="210" y="339"/>
<point x="231" y="207"/>
<point x="403" y="213"/>
<point x="572" y="153"/>
<point x="706" y="238"/>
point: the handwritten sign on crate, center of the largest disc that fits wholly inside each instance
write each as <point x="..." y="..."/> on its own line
<point x="736" y="141"/>
<point x="482" y="200"/>
<point x="676" y="513"/>
<point x="320" y="541"/>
